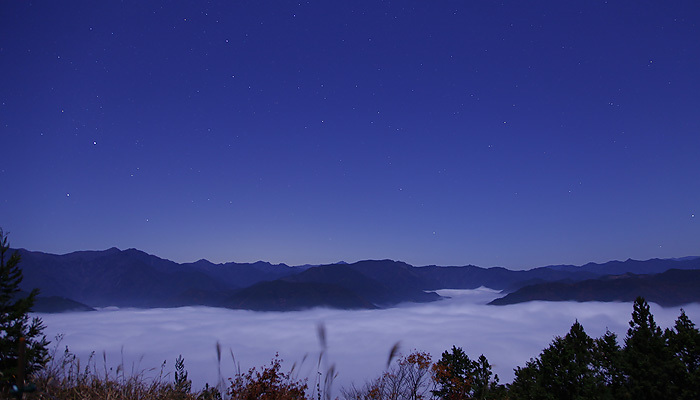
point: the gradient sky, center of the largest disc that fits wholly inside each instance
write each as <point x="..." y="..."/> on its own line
<point x="507" y="133"/>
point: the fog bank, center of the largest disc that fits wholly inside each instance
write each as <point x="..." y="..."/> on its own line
<point x="358" y="341"/>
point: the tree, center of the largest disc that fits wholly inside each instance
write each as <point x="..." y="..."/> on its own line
<point x="648" y="362"/>
<point x="454" y="375"/>
<point x="684" y="342"/>
<point x="15" y="322"/>
<point x="484" y="386"/>
<point x="458" y="377"/>
<point x="415" y="370"/>
<point x="408" y="379"/>
<point x="564" y="370"/>
<point x="607" y="366"/>
<point x="528" y="382"/>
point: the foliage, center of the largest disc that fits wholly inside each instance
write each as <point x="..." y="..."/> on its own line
<point x="454" y="375"/>
<point x="65" y="377"/>
<point x="484" y="386"/>
<point x="607" y="367"/>
<point x="684" y="343"/>
<point x="564" y="370"/>
<point x="652" y="364"/>
<point x="15" y="322"/>
<point x="410" y="378"/>
<point x="182" y="384"/>
<point x="267" y="384"/>
<point x="209" y="393"/>
<point x="413" y="375"/>
<point x="458" y="377"/>
<point x="652" y="370"/>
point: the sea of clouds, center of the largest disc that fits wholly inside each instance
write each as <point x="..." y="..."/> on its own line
<point x="358" y="342"/>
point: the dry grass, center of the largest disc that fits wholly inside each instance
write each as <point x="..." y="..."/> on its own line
<point x="65" y="377"/>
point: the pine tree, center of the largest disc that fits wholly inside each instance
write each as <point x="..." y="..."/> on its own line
<point x="15" y="322"/>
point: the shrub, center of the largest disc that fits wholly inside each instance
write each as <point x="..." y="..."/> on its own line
<point x="267" y="384"/>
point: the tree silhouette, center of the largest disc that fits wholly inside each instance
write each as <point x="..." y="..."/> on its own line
<point x="607" y="366"/>
<point x="15" y="322"/>
<point x="648" y="362"/>
<point x="457" y="377"/>
<point x="564" y="370"/>
<point x="684" y="342"/>
<point x="409" y="378"/>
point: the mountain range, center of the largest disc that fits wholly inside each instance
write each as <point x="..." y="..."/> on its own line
<point x="84" y="280"/>
<point x="671" y="288"/>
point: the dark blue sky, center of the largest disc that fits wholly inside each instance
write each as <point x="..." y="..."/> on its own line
<point x="514" y="134"/>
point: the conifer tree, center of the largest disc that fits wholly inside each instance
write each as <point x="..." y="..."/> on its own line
<point x="684" y="342"/>
<point x="564" y="370"/>
<point x="648" y="362"/>
<point x="454" y="375"/>
<point x="15" y="322"/>
<point x="457" y="377"/>
<point x="607" y="366"/>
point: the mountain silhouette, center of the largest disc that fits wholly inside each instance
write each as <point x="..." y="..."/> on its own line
<point x="133" y="278"/>
<point x="671" y="288"/>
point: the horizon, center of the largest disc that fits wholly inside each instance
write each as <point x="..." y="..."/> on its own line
<point x="352" y="262"/>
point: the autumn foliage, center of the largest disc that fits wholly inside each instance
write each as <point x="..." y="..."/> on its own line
<point x="410" y="378"/>
<point x="267" y="384"/>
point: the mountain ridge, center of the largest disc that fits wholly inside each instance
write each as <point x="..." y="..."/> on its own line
<point x="133" y="278"/>
<point x="673" y="287"/>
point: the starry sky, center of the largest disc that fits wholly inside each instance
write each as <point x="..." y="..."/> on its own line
<point x="510" y="133"/>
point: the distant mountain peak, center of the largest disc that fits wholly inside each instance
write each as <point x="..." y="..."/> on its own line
<point x="203" y="261"/>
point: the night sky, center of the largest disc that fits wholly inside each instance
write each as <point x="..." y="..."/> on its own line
<point x="511" y="133"/>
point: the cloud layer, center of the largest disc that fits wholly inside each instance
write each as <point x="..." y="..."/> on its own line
<point x="358" y="341"/>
